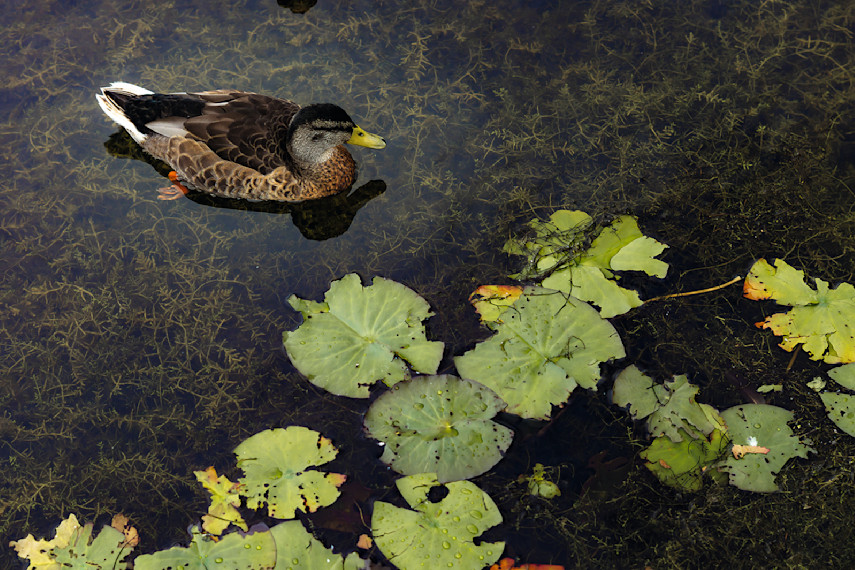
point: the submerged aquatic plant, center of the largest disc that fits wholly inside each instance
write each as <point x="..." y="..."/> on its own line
<point x="439" y="424"/>
<point x="360" y="335"/>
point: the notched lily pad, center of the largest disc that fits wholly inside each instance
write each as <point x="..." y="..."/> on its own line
<point x="841" y="410"/>
<point x="684" y="463"/>
<point x="844" y="375"/>
<point x="760" y="425"/>
<point x="439" y="424"/>
<point x="670" y="408"/>
<point x="437" y="534"/>
<point x="225" y="499"/>
<point x="490" y="301"/>
<point x="547" y="345"/>
<point x="297" y="549"/>
<point x="276" y="463"/>
<point x="360" y="335"/>
<point x="74" y="547"/>
<point x="560" y="258"/>
<point x="254" y="551"/>
<point x="822" y="321"/>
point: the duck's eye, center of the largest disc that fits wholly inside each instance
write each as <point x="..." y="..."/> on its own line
<point x="317" y="136"/>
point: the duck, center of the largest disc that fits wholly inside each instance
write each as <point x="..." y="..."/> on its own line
<point x="239" y="144"/>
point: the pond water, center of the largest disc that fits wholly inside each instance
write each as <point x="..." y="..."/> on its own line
<point x="140" y="340"/>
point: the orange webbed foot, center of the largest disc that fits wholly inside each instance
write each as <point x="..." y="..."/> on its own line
<point x="174" y="192"/>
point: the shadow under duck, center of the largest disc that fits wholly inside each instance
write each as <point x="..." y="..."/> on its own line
<point x="237" y="144"/>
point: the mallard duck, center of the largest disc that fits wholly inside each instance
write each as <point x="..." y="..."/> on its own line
<point x="242" y="145"/>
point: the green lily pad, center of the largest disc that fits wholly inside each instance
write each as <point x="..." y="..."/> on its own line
<point x="297" y="549"/>
<point x="841" y="410"/>
<point x="558" y="255"/>
<point x="538" y="483"/>
<point x="105" y="552"/>
<point x="39" y="552"/>
<point x="275" y="462"/>
<point x="764" y="426"/>
<point x="255" y="551"/>
<point x="844" y="375"/>
<point x="547" y="345"/>
<point x="437" y="534"/>
<point x="682" y="464"/>
<point x="439" y="424"/>
<point x="670" y="408"/>
<point x="822" y="321"/>
<point x="360" y="335"/>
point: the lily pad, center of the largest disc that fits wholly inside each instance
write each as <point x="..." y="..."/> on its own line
<point x="841" y="410"/>
<point x="255" y="551"/>
<point x="539" y="484"/>
<point x="490" y="301"/>
<point x="684" y="463"/>
<point x="439" y="424"/>
<point x="439" y="533"/>
<point x="670" y="408"/>
<point x="225" y="500"/>
<point x="106" y="551"/>
<point x="276" y="461"/>
<point x="844" y="375"/>
<point x="558" y="256"/>
<point x="39" y="551"/>
<point x="766" y="426"/>
<point x="297" y="549"/>
<point x="822" y="321"/>
<point x="547" y="345"/>
<point x="360" y="335"/>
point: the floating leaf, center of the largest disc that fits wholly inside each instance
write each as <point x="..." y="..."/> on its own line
<point x="360" y="335"/>
<point x="821" y="321"/>
<point x="509" y="564"/>
<point x="121" y="523"/>
<point x="765" y="426"/>
<point x="224" y="502"/>
<point x="546" y="346"/>
<point x="557" y="254"/>
<point x="670" y="408"/>
<point x="682" y="464"/>
<point x="275" y="462"/>
<point x="490" y="301"/>
<point x="439" y="424"/>
<point x="841" y="410"/>
<point x="439" y="533"/>
<point x="844" y="375"/>
<point x="538" y="484"/>
<point x="255" y="551"/>
<point x="106" y="551"/>
<point x="38" y="552"/>
<point x="297" y="549"/>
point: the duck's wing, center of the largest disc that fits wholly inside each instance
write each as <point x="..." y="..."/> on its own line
<point x="245" y="128"/>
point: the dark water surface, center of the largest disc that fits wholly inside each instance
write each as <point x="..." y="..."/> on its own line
<point x="140" y="340"/>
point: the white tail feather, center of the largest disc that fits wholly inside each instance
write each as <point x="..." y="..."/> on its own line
<point x="115" y="112"/>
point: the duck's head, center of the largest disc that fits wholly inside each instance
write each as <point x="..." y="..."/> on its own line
<point x="317" y="129"/>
